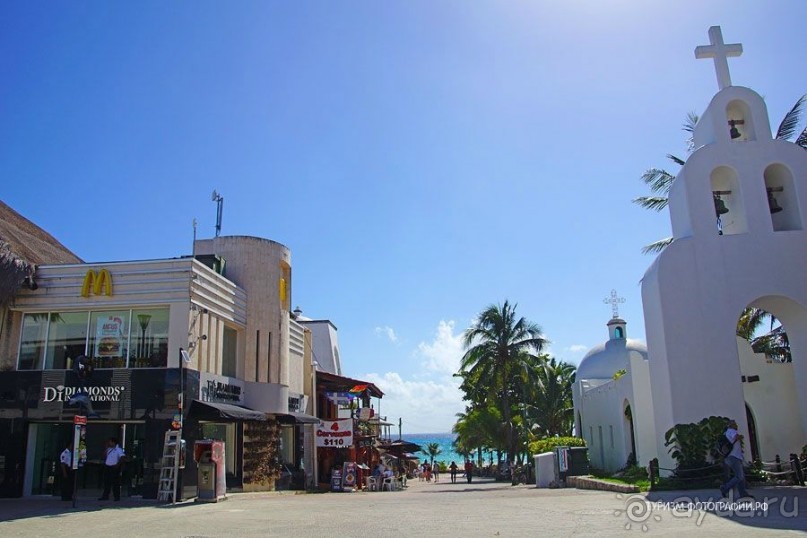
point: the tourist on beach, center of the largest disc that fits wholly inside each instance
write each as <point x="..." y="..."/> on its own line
<point x="453" y="469"/>
<point x="469" y="470"/>
<point x="436" y="471"/>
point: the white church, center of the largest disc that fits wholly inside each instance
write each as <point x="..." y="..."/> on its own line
<point x="739" y="241"/>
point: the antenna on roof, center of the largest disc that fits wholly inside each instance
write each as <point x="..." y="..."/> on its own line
<point x="219" y="199"/>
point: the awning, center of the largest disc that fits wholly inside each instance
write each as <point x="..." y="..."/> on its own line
<point x="218" y="411"/>
<point x="294" y="417"/>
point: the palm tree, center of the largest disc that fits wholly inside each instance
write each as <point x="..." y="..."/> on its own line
<point x="479" y="428"/>
<point x="774" y="343"/>
<point x="552" y="408"/>
<point x="660" y="180"/>
<point x="496" y="347"/>
<point x="432" y="450"/>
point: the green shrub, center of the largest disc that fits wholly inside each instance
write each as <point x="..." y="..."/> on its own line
<point x="548" y="444"/>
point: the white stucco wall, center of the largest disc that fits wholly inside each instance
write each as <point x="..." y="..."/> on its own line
<point x="771" y="400"/>
<point x="697" y="288"/>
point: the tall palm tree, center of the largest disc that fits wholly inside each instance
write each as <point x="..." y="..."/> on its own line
<point x="496" y="346"/>
<point x="660" y="180"/>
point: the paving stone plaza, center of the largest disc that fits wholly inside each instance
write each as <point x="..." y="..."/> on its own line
<point x="483" y="508"/>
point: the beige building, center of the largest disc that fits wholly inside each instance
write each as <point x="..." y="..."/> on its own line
<point x="246" y="377"/>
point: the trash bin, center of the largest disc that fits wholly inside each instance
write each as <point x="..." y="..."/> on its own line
<point x="211" y="483"/>
<point x="545" y="470"/>
<point x="578" y="461"/>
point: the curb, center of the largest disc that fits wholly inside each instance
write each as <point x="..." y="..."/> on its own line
<point x="588" y="482"/>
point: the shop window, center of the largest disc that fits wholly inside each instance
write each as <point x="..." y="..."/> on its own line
<point x="149" y="339"/>
<point x="113" y="339"/>
<point x="229" y="352"/>
<point x="32" y="342"/>
<point x="67" y="339"/>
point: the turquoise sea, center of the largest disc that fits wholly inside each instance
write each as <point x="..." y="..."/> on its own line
<point x="445" y="440"/>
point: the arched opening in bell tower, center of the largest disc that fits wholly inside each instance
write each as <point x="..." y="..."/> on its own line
<point x="782" y="201"/>
<point x="729" y="209"/>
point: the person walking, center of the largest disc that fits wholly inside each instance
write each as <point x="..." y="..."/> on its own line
<point x="436" y="472"/>
<point x="113" y="461"/>
<point x="734" y="461"/>
<point x="66" y="464"/>
<point x="469" y="470"/>
<point x="453" y="470"/>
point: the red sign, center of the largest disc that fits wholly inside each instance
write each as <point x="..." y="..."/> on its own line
<point x="79" y="419"/>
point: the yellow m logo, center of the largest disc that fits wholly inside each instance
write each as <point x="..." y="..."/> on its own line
<point x="100" y="283"/>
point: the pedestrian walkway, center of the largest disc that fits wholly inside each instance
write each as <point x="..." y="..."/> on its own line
<point x="483" y="508"/>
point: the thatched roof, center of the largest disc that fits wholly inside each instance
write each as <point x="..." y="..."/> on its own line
<point x="23" y="246"/>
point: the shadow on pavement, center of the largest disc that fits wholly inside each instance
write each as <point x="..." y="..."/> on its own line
<point x="53" y="507"/>
<point x="773" y="507"/>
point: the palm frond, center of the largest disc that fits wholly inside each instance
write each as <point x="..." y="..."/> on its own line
<point x="689" y="127"/>
<point x="656" y="203"/>
<point x="790" y="123"/>
<point x="658" y="246"/>
<point x="802" y="139"/>
<point x="658" y="179"/>
<point x="677" y="160"/>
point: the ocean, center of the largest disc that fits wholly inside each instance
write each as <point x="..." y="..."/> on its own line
<point x="445" y="440"/>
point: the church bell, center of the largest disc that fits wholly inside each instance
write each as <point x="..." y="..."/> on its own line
<point x="720" y="206"/>
<point x="773" y="205"/>
<point x="734" y="133"/>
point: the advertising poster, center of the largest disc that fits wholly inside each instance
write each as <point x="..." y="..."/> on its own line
<point x="349" y="474"/>
<point x="335" y="433"/>
<point x="109" y="336"/>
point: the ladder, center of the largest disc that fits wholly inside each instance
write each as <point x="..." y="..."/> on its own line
<point x="169" y="467"/>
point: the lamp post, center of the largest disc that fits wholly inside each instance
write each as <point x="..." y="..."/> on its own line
<point x="314" y="365"/>
<point x="143" y="320"/>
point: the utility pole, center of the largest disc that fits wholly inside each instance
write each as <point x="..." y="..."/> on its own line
<point x="400" y="422"/>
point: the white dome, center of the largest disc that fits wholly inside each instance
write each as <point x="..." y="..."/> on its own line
<point x="604" y="360"/>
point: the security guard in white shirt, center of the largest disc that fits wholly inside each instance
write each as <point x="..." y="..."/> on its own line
<point x="114" y="458"/>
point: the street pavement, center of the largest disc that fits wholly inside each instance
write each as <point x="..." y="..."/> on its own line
<point x="483" y="508"/>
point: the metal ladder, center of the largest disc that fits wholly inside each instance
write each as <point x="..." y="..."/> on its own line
<point x="169" y="467"/>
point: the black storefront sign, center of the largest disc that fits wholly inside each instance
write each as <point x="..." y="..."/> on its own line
<point x="145" y="397"/>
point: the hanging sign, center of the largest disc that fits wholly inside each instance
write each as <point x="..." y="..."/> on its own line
<point x="335" y="433"/>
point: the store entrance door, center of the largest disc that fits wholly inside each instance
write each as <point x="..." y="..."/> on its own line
<point x="51" y="440"/>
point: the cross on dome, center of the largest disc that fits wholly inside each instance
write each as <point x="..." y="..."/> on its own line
<point x="720" y="52"/>
<point x="614" y="301"/>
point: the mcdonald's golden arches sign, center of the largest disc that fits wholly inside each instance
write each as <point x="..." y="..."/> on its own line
<point x="99" y="283"/>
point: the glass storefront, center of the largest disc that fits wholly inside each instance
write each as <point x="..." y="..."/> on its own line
<point x="113" y="339"/>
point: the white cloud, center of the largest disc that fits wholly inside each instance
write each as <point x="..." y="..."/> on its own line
<point x="428" y="400"/>
<point x="427" y="406"/>
<point x="576" y="348"/>
<point x="389" y="332"/>
<point x="443" y="354"/>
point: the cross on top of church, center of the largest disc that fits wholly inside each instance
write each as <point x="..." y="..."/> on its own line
<point x="720" y="52"/>
<point x="614" y="301"/>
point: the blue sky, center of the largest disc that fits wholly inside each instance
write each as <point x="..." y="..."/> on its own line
<point x="422" y="159"/>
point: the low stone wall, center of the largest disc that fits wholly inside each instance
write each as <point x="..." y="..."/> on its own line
<point x="588" y="482"/>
